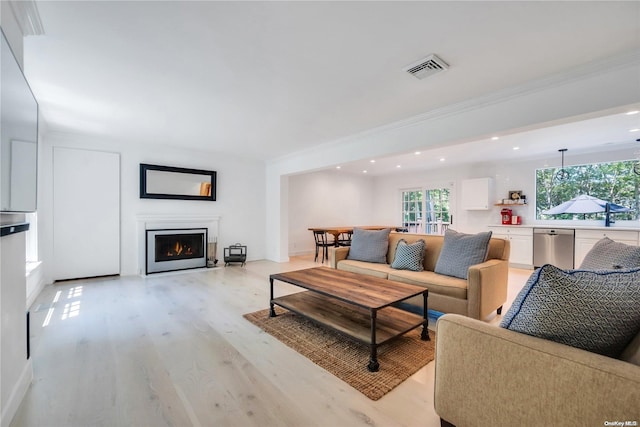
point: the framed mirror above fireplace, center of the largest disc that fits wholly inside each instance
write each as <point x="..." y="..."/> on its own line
<point x="168" y="182"/>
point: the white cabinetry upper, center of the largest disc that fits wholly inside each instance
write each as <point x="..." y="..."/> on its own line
<point x="521" y="242"/>
<point x="477" y="193"/>
<point x="585" y="239"/>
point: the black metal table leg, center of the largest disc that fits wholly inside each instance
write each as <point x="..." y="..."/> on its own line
<point x="373" y="359"/>
<point x="272" y="311"/>
<point x="424" y="336"/>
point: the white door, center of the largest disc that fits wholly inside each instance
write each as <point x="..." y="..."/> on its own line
<point x="86" y="213"/>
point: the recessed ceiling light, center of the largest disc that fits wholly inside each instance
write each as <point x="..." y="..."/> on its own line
<point x="634" y="130"/>
<point x="516" y="148"/>
<point x="495" y="138"/>
<point x="372" y="161"/>
<point x="631" y="113"/>
<point x="398" y="166"/>
<point x="417" y="153"/>
<point x="364" y="171"/>
<point x="442" y="159"/>
<point x="338" y="167"/>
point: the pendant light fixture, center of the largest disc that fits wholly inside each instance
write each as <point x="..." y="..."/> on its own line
<point x="562" y="174"/>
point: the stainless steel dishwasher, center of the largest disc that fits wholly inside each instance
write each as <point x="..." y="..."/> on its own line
<point x="553" y="246"/>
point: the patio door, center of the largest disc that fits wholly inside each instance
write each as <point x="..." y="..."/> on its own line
<point x="427" y="210"/>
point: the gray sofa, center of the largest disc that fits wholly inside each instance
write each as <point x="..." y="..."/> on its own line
<point x="483" y="292"/>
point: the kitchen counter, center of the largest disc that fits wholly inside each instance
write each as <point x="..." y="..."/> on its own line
<point x="572" y="227"/>
<point x="586" y="236"/>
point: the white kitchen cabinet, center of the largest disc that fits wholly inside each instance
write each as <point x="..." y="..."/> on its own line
<point x="477" y="194"/>
<point x="585" y="239"/>
<point x="521" y="241"/>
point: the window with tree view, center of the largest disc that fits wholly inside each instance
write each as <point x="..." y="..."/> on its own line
<point x="426" y="210"/>
<point x="613" y="182"/>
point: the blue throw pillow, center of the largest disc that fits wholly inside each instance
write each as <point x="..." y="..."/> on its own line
<point x="409" y="256"/>
<point x="369" y="245"/>
<point x="460" y="251"/>
<point x="592" y="310"/>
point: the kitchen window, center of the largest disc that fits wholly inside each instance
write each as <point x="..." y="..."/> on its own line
<point x="614" y="182"/>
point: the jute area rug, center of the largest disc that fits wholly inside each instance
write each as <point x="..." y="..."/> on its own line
<point x="346" y="358"/>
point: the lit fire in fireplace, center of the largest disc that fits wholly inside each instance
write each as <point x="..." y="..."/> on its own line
<point x="178" y="249"/>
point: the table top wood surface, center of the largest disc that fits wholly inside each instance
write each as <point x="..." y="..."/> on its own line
<point x="359" y="289"/>
<point x="346" y="229"/>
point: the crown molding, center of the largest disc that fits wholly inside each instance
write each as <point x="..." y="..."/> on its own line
<point x="27" y="16"/>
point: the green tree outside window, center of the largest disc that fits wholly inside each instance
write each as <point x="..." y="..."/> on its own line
<point x="614" y="182"/>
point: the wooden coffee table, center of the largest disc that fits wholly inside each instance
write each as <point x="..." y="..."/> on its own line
<point x="356" y="305"/>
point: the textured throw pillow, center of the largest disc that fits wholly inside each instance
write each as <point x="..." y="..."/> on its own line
<point x="369" y="245"/>
<point x="460" y="251"/>
<point x="409" y="256"/>
<point x="592" y="310"/>
<point x="609" y="255"/>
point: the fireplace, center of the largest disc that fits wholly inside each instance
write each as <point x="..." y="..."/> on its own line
<point x="175" y="249"/>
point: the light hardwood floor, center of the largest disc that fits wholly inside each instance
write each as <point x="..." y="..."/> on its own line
<point x="174" y="350"/>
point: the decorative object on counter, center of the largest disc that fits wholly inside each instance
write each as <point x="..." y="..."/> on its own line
<point x="507" y="215"/>
<point x="562" y="174"/>
<point x="584" y="204"/>
<point x="235" y="253"/>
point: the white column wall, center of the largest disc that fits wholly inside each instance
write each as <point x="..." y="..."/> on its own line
<point x="328" y="198"/>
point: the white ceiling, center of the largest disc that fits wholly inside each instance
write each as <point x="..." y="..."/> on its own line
<point x="271" y="78"/>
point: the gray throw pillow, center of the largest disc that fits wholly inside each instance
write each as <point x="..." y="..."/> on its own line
<point x="369" y="245"/>
<point x="409" y="256"/>
<point x="609" y="255"/>
<point x="593" y="310"/>
<point x="460" y="251"/>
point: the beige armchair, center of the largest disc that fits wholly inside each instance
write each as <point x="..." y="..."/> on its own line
<point x="489" y="376"/>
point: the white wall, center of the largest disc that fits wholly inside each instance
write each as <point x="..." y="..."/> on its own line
<point x="322" y="199"/>
<point x="240" y="195"/>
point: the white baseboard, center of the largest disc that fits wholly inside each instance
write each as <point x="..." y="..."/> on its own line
<point x="300" y="253"/>
<point x="17" y="394"/>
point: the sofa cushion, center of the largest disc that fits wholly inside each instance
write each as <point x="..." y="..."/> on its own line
<point x="363" y="267"/>
<point x="436" y="283"/>
<point x="460" y="251"/>
<point x="592" y="310"/>
<point x="409" y="256"/>
<point x="609" y="255"/>
<point x="369" y="245"/>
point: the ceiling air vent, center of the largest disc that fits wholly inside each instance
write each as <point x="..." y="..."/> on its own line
<point x="426" y="67"/>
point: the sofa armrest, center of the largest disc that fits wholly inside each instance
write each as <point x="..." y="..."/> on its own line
<point x="337" y="254"/>
<point x="486" y="375"/>
<point x="487" y="287"/>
